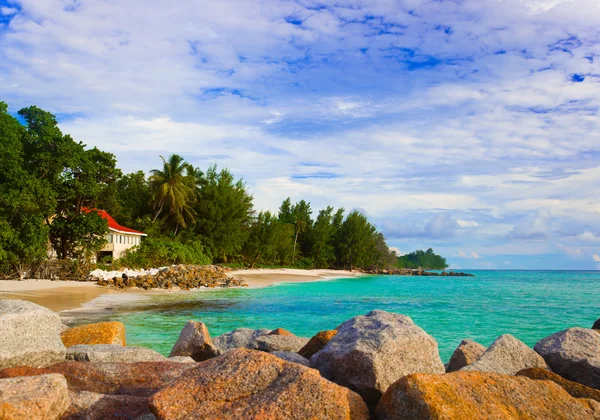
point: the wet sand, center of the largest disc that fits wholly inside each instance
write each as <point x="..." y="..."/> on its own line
<point x="267" y="277"/>
<point x="71" y="295"/>
<point x="54" y="295"/>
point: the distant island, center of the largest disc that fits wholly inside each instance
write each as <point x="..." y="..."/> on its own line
<point x="66" y="202"/>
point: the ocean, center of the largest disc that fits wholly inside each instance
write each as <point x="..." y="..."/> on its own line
<point x="527" y="304"/>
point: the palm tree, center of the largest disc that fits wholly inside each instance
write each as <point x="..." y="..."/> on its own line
<point x="172" y="192"/>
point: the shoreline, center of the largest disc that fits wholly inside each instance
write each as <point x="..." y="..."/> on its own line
<point x="68" y="296"/>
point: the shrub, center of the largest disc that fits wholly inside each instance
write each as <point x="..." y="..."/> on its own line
<point x="156" y="252"/>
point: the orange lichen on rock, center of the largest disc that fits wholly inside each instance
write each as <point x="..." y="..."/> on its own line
<point x="480" y="395"/>
<point x="574" y="389"/>
<point x="100" y="333"/>
<point x="316" y="343"/>
<point x="248" y="384"/>
<point x="281" y="331"/>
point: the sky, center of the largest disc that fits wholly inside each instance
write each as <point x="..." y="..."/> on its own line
<point x="468" y="126"/>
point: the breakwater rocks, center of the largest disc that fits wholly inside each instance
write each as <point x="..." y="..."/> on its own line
<point x="184" y="277"/>
<point x="415" y="272"/>
<point x="375" y="366"/>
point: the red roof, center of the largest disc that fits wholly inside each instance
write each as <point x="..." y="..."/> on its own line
<point x="112" y="223"/>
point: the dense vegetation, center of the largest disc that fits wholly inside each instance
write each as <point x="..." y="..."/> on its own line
<point x="424" y="259"/>
<point x="48" y="181"/>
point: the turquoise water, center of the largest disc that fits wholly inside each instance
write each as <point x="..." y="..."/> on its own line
<point x="527" y="304"/>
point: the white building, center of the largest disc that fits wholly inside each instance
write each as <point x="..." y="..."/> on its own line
<point x="120" y="238"/>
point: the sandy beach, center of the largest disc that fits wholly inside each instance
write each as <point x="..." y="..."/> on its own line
<point x="67" y="295"/>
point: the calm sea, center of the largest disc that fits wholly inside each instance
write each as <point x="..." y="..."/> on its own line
<point x="527" y="304"/>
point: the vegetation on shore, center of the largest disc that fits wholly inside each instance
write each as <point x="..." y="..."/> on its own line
<point x="48" y="180"/>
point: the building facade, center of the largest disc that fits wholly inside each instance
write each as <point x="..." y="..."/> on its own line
<point x="120" y="238"/>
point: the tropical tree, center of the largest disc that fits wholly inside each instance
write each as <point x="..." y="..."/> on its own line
<point x="224" y="210"/>
<point x="173" y="193"/>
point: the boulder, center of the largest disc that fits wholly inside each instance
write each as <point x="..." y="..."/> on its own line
<point x="100" y="333"/>
<point x="245" y="384"/>
<point x="596" y="325"/>
<point x="239" y="338"/>
<point x="507" y="355"/>
<point x="113" y="353"/>
<point x="29" y="335"/>
<point x="316" y="343"/>
<point x="271" y="343"/>
<point x="281" y="331"/>
<point x="371" y="352"/>
<point x="36" y="397"/>
<point x="480" y="395"/>
<point x="466" y="353"/>
<point x="195" y="342"/>
<point x="93" y="406"/>
<point x="291" y="357"/>
<point x="181" y="359"/>
<point x="138" y="379"/>
<point x="574" y="354"/>
<point x="573" y="388"/>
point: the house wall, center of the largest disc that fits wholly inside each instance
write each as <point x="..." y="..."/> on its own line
<point x="118" y="243"/>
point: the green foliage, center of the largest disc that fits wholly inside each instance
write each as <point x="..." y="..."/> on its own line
<point x="173" y="193"/>
<point x="424" y="259"/>
<point x="157" y="252"/>
<point x="224" y="211"/>
<point x="269" y="241"/>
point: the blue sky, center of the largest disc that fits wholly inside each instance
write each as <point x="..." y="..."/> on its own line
<point x="469" y="126"/>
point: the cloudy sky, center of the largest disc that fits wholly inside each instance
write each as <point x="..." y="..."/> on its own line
<point x="469" y="126"/>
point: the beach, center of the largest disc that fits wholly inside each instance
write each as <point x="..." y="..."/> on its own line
<point x="68" y="295"/>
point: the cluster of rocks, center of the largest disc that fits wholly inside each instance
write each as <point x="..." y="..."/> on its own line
<point x="182" y="276"/>
<point x="379" y="366"/>
<point x="416" y="272"/>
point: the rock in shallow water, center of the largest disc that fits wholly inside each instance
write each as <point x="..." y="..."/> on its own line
<point x="239" y="338"/>
<point x="195" y="342"/>
<point x="507" y="355"/>
<point x="574" y="389"/>
<point x="247" y="384"/>
<point x="35" y="397"/>
<point x="111" y="353"/>
<point x="99" y="333"/>
<point x="316" y="343"/>
<point x="466" y="353"/>
<point x="480" y="395"/>
<point x="596" y="325"/>
<point x="29" y="335"/>
<point x="371" y="352"/>
<point x="574" y="354"/>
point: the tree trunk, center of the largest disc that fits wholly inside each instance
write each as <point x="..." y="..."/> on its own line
<point x="294" y="254"/>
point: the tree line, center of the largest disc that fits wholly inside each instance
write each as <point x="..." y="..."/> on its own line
<point x="48" y="180"/>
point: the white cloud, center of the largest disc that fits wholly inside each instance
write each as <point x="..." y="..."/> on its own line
<point x="467" y="223"/>
<point x="473" y="255"/>
<point x="8" y="11"/>
<point x="397" y="251"/>
<point x="596" y="257"/>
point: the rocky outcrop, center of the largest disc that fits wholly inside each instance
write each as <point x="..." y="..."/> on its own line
<point x="466" y="353"/>
<point x="316" y="343"/>
<point x="371" y="352"/>
<point x="112" y="353"/>
<point x="36" y="397"/>
<point x="137" y="379"/>
<point x="239" y="338"/>
<point x="507" y="355"/>
<point x="281" y="331"/>
<point x="479" y="395"/>
<point x="93" y="406"/>
<point x="250" y="384"/>
<point x="100" y="333"/>
<point x="291" y="357"/>
<point x="574" y="354"/>
<point x="195" y="342"/>
<point x="183" y="276"/>
<point x="29" y="335"/>
<point x="573" y="388"/>
<point x="271" y="343"/>
<point x="596" y="325"/>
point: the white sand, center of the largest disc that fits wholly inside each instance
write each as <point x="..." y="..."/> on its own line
<point x="263" y="277"/>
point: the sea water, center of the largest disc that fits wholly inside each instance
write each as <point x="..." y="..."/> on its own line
<point x="527" y="304"/>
